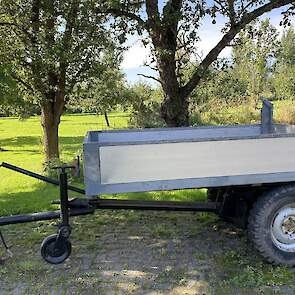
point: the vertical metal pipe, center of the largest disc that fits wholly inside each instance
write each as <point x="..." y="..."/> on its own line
<point x="64" y="206"/>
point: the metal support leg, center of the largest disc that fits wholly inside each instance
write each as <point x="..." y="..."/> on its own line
<point x="64" y="200"/>
<point x="56" y="248"/>
<point x="64" y="228"/>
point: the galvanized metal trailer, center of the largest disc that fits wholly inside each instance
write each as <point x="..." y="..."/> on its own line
<point x="249" y="171"/>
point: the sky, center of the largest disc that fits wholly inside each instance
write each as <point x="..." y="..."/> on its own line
<point x="137" y="54"/>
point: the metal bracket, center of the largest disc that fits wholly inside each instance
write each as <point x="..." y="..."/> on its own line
<point x="267" y="126"/>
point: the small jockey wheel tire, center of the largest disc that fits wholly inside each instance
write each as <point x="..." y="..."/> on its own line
<point x="53" y="254"/>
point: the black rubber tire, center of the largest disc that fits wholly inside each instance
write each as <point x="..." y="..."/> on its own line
<point x="259" y="224"/>
<point x="53" y="255"/>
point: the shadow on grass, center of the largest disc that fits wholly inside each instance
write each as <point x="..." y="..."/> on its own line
<point x="22" y="151"/>
<point x="20" y="141"/>
<point x="71" y="144"/>
<point x="16" y="143"/>
<point x="38" y="199"/>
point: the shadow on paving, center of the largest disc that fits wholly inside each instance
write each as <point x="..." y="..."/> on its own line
<point x="126" y="252"/>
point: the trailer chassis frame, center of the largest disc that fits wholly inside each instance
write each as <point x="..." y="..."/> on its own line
<point x="56" y="248"/>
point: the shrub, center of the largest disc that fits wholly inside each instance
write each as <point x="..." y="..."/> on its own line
<point x="145" y="107"/>
<point x="285" y="113"/>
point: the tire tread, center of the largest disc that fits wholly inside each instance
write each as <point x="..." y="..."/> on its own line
<point x="257" y="214"/>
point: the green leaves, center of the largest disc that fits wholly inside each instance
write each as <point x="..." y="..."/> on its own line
<point x="284" y="74"/>
<point x="254" y="56"/>
<point x="102" y="93"/>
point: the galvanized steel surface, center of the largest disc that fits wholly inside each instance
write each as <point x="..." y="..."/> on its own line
<point x="176" y="158"/>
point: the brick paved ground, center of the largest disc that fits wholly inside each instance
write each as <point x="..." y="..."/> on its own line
<point x="142" y="253"/>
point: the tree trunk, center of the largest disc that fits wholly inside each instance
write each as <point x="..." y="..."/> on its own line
<point x="175" y="107"/>
<point x="50" y="141"/>
<point x="50" y="123"/>
<point x="175" y="110"/>
<point x="163" y="32"/>
<point x="107" y="119"/>
<point x="51" y="110"/>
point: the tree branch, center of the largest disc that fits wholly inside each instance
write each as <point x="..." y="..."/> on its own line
<point x="273" y="4"/>
<point x="227" y="38"/>
<point x="251" y="3"/>
<point x="221" y="7"/>
<point x="151" y="67"/>
<point x="150" y="77"/>
<point x="35" y="19"/>
<point x="231" y="11"/>
<point x="86" y="65"/>
<point x="129" y="15"/>
<point x="153" y="14"/>
<point x="20" y="80"/>
<point x="64" y="59"/>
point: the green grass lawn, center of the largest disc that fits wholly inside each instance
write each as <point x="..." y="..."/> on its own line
<point x="23" y="142"/>
<point x="235" y="269"/>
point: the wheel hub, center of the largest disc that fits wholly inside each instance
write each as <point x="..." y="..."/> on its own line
<point x="288" y="225"/>
<point x="283" y="229"/>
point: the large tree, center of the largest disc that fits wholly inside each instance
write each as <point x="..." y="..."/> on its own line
<point x="101" y="95"/>
<point x="51" y="46"/>
<point x="173" y="32"/>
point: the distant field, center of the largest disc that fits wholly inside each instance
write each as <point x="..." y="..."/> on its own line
<point x="22" y="140"/>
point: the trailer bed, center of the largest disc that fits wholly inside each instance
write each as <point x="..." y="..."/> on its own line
<point x="195" y="157"/>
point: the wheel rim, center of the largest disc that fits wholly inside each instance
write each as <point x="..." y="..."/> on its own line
<point x="53" y="251"/>
<point x="283" y="229"/>
<point x="53" y="254"/>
